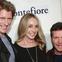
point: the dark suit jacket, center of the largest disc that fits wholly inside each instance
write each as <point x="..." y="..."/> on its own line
<point x="4" y="53"/>
<point x="51" y="55"/>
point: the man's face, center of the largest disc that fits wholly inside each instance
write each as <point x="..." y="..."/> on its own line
<point x="57" y="40"/>
<point x="5" y="20"/>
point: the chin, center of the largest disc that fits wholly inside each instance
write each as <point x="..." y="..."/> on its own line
<point x="31" y="38"/>
<point x="4" y="32"/>
<point x="60" y="50"/>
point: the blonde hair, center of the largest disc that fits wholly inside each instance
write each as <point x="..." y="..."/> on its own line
<point x="23" y="26"/>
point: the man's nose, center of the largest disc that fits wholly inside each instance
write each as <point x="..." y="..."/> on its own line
<point x="60" y="40"/>
<point x="6" y="21"/>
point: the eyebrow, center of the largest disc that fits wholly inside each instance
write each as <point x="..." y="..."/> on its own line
<point x="5" y="18"/>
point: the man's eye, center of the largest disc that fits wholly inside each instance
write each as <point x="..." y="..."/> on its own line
<point x="5" y="18"/>
<point x="2" y="17"/>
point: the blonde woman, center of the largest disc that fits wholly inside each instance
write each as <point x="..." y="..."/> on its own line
<point x="31" y="40"/>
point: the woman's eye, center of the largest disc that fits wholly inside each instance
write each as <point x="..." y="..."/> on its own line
<point x="30" y="26"/>
<point x="36" y="26"/>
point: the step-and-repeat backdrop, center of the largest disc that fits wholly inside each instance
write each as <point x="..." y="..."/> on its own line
<point x="48" y="12"/>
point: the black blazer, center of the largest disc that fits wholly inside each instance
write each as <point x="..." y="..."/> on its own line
<point x="4" y="53"/>
<point x="50" y="55"/>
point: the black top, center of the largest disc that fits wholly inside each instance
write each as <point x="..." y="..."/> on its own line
<point x="23" y="56"/>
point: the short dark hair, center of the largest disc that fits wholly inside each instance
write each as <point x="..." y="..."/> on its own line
<point x="2" y="1"/>
<point x="55" y="27"/>
<point x="7" y="5"/>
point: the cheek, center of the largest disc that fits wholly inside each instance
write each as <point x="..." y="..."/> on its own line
<point x="55" y="41"/>
<point x="9" y="22"/>
<point x="37" y="29"/>
<point x="1" y="22"/>
<point x="28" y="30"/>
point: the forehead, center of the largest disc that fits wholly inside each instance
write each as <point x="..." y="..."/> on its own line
<point x="5" y="13"/>
<point x="33" y="21"/>
<point x="57" y="33"/>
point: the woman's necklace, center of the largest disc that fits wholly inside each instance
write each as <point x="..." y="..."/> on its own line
<point x="31" y="55"/>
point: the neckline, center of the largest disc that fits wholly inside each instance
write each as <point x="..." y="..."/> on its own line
<point x="26" y="47"/>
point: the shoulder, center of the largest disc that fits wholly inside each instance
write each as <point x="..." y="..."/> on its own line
<point x="50" y="52"/>
<point x="50" y="55"/>
<point x="8" y="37"/>
<point x="41" y="52"/>
<point x="17" y="47"/>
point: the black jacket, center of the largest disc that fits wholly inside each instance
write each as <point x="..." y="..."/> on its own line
<point x="4" y="53"/>
<point x="53" y="57"/>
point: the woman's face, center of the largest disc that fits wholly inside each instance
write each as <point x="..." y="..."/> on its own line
<point x="32" y="28"/>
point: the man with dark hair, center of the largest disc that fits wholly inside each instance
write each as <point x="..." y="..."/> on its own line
<point x="7" y="11"/>
<point x="1" y="1"/>
<point x="55" y="54"/>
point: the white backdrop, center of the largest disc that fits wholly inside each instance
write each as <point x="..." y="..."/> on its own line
<point x="48" y="12"/>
